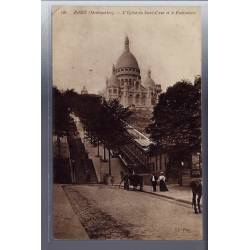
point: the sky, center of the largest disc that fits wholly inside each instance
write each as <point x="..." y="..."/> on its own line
<point x="87" y="41"/>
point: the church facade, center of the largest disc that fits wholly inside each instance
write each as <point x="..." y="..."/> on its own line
<point x="125" y="83"/>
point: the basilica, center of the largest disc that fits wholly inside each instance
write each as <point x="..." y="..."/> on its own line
<point x="125" y="83"/>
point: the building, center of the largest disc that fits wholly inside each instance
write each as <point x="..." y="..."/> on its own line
<point x="84" y="90"/>
<point x="125" y="83"/>
<point x="138" y="155"/>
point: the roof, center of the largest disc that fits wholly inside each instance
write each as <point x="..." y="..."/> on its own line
<point x="113" y="81"/>
<point x="149" y="82"/>
<point x="127" y="59"/>
<point x="143" y="142"/>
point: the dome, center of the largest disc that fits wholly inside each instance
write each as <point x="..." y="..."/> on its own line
<point x="149" y="82"/>
<point x="84" y="90"/>
<point x="127" y="59"/>
<point x="113" y="81"/>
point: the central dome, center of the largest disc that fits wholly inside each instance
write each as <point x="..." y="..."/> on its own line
<point x="127" y="59"/>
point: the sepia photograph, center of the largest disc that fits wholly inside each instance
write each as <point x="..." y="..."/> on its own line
<point x="127" y="144"/>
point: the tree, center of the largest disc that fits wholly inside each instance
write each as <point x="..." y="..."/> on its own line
<point x="108" y="124"/>
<point x="60" y="116"/>
<point x="115" y="126"/>
<point x="105" y="121"/>
<point x="177" y="117"/>
<point x="176" y="121"/>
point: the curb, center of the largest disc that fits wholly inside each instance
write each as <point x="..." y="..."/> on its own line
<point x="169" y="197"/>
<point x="165" y="196"/>
<point x="148" y="192"/>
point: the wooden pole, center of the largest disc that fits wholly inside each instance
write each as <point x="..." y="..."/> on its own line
<point x="109" y="163"/>
<point x="104" y="152"/>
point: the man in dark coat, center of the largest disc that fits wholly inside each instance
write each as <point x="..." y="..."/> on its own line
<point x="196" y="187"/>
<point x="126" y="181"/>
<point x="153" y="180"/>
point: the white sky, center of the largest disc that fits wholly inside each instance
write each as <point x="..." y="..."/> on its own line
<point x="168" y="44"/>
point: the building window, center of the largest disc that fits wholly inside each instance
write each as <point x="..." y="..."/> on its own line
<point x="110" y="91"/>
<point x="115" y="91"/>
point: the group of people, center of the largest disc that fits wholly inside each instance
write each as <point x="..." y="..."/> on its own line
<point x="137" y="180"/>
<point x="161" y="179"/>
<point x="132" y="179"/>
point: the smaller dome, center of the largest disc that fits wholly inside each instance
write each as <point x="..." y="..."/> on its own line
<point x="113" y="81"/>
<point x="84" y="90"/>
<point x="149" y="82"/>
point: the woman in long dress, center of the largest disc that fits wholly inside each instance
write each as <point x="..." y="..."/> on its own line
<point x="162" y="182"/>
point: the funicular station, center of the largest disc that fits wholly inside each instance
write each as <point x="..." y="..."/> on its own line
<point x="138" y="156"/>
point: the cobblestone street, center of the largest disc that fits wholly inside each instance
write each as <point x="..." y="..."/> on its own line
<point x="108" y="212"/>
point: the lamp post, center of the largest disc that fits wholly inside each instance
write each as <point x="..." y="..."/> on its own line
<point x="180" y="173"/>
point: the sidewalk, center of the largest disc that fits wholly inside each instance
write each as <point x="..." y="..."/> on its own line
<point x="65" y="223"/>
<point x="176" y="192"/>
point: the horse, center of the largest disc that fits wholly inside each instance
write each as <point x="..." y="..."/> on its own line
<point x="132" y="179"/>
<point x="196" y="187"/>
<point x="136" y="180"/>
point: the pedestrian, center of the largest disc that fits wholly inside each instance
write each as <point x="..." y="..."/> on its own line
<point x="153" y="180"/>
<point x="162" y="182"/>
<point x="125" y="179"/>
<point x="112" y="180"/>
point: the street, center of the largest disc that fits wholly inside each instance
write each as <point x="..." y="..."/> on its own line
<point x="109" y="212"/>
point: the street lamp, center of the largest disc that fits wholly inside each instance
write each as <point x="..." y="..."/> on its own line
<point x="180" y="173"/>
